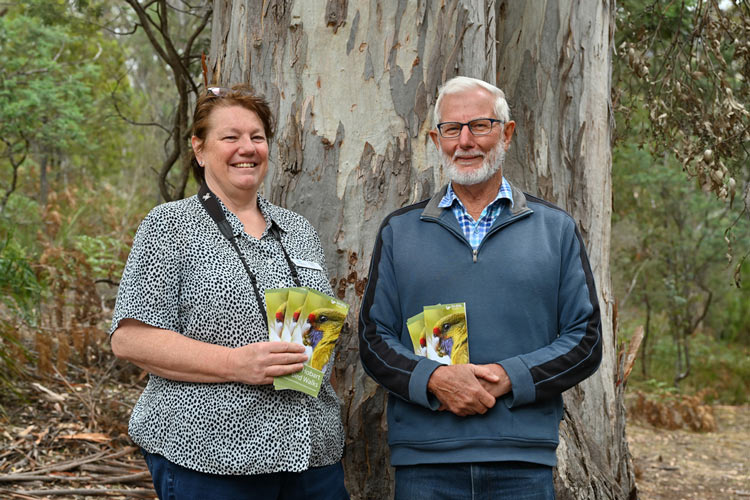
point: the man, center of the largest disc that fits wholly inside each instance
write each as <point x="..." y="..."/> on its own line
<point x="487" y="429"/>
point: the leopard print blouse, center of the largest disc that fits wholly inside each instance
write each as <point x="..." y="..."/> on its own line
<point x="183" y="275"/>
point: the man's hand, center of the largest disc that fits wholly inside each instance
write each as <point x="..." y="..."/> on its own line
<point x="459" y="388"/>
<point x="258" y="363"/>
<point x="499" y="386"/>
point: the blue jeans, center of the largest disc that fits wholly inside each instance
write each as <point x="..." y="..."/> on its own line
<point x="477" y="481"/>
<point x="173" y="482"/>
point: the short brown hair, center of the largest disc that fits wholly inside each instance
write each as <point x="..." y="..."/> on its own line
<point x="237" y="95"/>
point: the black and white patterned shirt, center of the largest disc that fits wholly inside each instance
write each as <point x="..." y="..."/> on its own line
<point x="183" y="275"/>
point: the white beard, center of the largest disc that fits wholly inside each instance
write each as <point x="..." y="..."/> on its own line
<point x="491" y="163"/>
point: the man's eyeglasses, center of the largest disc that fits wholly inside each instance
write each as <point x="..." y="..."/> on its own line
<point x="480" y="126"/>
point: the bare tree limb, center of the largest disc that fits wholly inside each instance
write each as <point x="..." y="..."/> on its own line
<point x="164" y="186"/>
<point x="131" y="121"/>
<point x="140" y="493"/>
<point x="697" y="320"/>
<point x="128" y="478"/>
<point x="196" y="33"/>
<point x="156" y="27"/>
<point x="15" y="165"/>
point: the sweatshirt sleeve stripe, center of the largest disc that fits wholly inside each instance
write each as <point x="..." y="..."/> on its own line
<point x="565" y="371"/>
<point x="380" y="360"/>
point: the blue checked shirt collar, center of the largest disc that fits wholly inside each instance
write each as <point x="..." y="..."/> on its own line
<point x="475" y="231"/>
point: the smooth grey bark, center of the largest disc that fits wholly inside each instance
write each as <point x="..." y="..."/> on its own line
<point x="353" y="85"/>
<point x="554" y="62"/>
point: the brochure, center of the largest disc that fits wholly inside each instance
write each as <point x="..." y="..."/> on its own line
<point x="317" y="327"/>
<point x="415" y="325"/>
<point x="276" y="300"/>
<point x="295" y="301"/>
<point x="447" y="336"/>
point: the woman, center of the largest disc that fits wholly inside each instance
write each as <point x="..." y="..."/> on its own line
<point x="190" y="312"/>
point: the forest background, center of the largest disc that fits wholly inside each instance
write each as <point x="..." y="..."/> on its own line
<point x="93" y="134"/>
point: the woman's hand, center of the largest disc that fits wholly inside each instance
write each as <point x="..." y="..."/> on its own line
<point x="170" y="355"/>
<point x="260" y="362"/>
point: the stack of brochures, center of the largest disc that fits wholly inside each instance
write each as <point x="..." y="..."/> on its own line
<point x="308" y="318"/>
<point x="440" y="333"/>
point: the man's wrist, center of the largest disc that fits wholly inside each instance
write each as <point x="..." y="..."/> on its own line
<point x="435" y="378"/>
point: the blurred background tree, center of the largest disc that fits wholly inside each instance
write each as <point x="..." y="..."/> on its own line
<point x="690" y="62"/>
<point x="58" y="137"/>
<point x="681" y="216"/>
<point x="165" y="40"/>
<point x="89" y="126"/>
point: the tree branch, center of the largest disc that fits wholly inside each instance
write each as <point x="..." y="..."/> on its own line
<point x="133" y="122"/>
<point x="196" y="33"/>
<point x="15" y="165"/>
<point x="145" y="23"/>
<point x="156" y="27"/>
<point x="702" y="316"/>
<point x="166" y="166"/>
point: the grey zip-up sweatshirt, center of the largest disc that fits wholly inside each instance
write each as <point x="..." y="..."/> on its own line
<point x="531" y="306"/>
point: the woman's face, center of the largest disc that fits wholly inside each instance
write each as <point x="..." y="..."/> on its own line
<point x="235" y="152"/>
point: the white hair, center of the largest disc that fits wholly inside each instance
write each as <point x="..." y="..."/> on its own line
<point x="463" y="83"/>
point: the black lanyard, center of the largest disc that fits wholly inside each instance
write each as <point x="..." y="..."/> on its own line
<point x="211" y="205"/>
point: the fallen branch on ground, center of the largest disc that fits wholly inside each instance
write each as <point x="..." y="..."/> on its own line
<point x="140" y="493"/>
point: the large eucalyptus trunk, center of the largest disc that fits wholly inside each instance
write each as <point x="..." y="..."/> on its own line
<point x="353" y="87"/>
<point x="554" y="61"/>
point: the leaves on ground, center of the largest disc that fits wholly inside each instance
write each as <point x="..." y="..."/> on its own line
<point x="686" y="465"/>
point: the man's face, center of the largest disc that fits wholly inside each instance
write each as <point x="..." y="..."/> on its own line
<point x="471" y="159"/>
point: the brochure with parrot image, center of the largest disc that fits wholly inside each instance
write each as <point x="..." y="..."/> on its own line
<point x="317" y="328"/>
<point x="415" y="325"/>
<point x="295" y="300"/>
<point x="276" y="300"/>
<point x="446" y="333"/>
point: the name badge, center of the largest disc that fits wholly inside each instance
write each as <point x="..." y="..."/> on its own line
<point x="307" y="264"/>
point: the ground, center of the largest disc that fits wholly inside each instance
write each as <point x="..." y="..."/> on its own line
<point x="69" y="441"/>
<point x="687" y="465"/>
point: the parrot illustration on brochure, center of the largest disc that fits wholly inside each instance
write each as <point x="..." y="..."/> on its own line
<point x="440" y="333"/>
<point x="415" y="325"/>
<point x="292" y="327"/>
<point x="313" y="320"/>
<point x="276" y="303"/>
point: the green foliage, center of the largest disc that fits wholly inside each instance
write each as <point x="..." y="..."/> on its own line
<point x="666" y="229"/>
<point x="669" y="263"/>
<point x="20" y="294"/>
<point x="84" y="241"/>
<point x="720" y="371"/>
<point x="165" y="40"/>
<point x="76" y="173"/>
<point x="57" y="77"/>
<point x="737" y="321"/>
<point x="690" y="62"/>
<point x="103" y="253"/>
<point x="18" y="284"/>
<point x="677" y="238"/>
<point x="43" y="97"/>
<point x="70" y="187"/>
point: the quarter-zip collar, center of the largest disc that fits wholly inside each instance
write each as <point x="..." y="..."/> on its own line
<point x="444" y="216"/>
<point x="433" y="211"/>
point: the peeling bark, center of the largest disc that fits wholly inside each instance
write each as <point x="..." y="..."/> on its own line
<point x="353" y="84"/>
<point x="336" y="13"/>
<point x="554" y="63"/>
